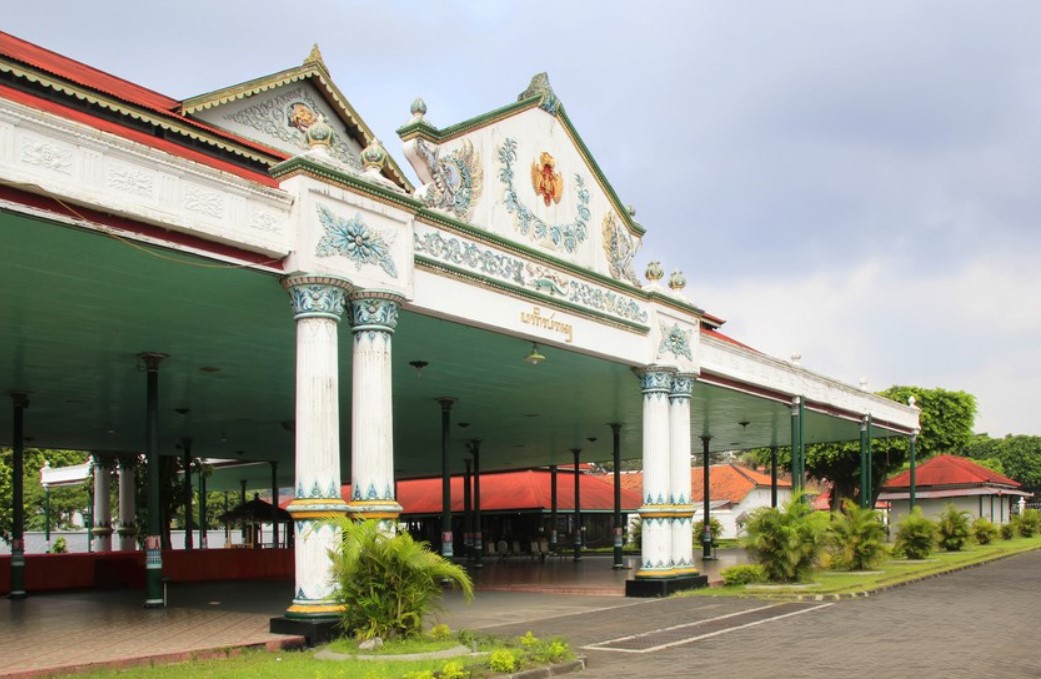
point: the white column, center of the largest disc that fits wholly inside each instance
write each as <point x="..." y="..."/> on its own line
<point x="102" y="504"/>
<point x="679" y="463"/>
<point x="127" y="489"/>
<point x="318" y="303"/>
<point x="373" y="316"/>
<point x="656" y="512"/>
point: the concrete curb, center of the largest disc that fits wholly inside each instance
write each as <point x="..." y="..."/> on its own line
<point x="575" y="665"/>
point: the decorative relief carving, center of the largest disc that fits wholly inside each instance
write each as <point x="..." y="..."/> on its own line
<point x="49" y="156"/>
<point x="131" y="180"/>
<point x="675" y="341"/>
<point x="536" y="277"/>
<point x="287" y="117"/>
<point x="209" y="203"/>
<point x="354" y="240"/>
<point x="555" y="236"/>
<point x="619" y="250"/>
<point x="457" y="179"/>
<point x="316" y="299"/>
<point x="369" y="313"/>
<point x="264" y="220"/>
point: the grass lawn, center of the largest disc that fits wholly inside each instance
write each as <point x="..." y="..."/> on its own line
<point x="892" y="572"/>
<point x="528" y="651"/>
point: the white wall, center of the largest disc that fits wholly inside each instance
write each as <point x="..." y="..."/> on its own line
<point x="995" y="508"/>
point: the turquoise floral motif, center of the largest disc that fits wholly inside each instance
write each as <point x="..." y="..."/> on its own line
<point x="682" y="386"/>
<point x="676" y="341"/>
<point x="504" y="267"/>
<point x="316" y="299"/>
<point x="457" y="179"/>
<point x="354" y="240"/>
<point x="374" y="313"/>
<point x="567" y="236"/>
<point x="655" y="381"/>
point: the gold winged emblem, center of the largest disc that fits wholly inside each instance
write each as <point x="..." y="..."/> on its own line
<point x="547" y="183"/>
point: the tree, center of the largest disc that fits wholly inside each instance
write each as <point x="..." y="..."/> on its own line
<point x="946" y="427"/>
<point x="1019" y="456"/>
<point x="65" y="502"/>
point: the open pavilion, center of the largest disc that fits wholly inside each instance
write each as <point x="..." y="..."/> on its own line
<point x="247" y="274"/>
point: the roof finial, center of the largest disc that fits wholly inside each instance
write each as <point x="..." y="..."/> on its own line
<point x="315" y="57"/>
<point x="541" y="88"/>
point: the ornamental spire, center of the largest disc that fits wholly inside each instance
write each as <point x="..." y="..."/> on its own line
<point x="315" y="57"/>
<point x="541" y="88"/>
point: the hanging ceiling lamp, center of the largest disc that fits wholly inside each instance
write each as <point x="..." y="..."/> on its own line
<point x="534" y="357"/>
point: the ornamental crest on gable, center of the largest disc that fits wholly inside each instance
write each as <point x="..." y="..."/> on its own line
<point x="619" y="250"/>
<point x="546" y="181"/>
<point x="457" y="179"/>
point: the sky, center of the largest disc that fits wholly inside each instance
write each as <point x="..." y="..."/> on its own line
<point x="858" y="182"/>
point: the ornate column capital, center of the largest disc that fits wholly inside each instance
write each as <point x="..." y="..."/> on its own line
<point x="374" y="310"/>
<point x="682" y="386"/>
<point x="655" y="379"/>
<point x="317" y="295"/>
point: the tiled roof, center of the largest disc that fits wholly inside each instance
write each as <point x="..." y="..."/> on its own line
<point x="949" y="470"/>
<point x="726" y="338"/>
<point x="528" y="490"/>
<point x="727" y="482"/>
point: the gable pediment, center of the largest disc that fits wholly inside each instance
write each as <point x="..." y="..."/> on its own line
<point x="523" y="174"/>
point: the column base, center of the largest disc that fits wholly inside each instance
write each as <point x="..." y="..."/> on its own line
<point x="17" y="596"/>
<point x="661" y="587"/>
<point x="314" y="630"/>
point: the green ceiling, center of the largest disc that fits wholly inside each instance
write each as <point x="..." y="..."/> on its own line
<point x="78" y="307"/>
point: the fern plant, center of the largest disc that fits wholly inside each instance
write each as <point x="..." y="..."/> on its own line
<point x="857" y="538"/>
<point x="954" y="528"/>
<point x="786" y="541"/>
<point x="388" y="583"/>
<point x="984" y="531"/>
<point x="916" y="535"/>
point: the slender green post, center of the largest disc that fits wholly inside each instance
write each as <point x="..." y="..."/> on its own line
<point x="153" y="541"/>
<point x="468" y="545"/>
<point x="578" y="508"/>
<point x="245" y="537"/>
<point x="47" y="515"/>
<point x="864" y="492"/>
<point x="274" y="504"/>
<point x="204" y="541"/>
<point x="914" y="438"/>
<point x="21" y="402"/>
<point x="802" y="447"/>
<point x="446" y="479"/>
<point x="475" y="450"/>
<point x="186" y="465"/>
<point x="796" y="444"/>
<point x="706" y="526"/>
<point x="553" y="508"/>
<point x="870" y="480"/>
<point x="619" y="529"/>
<point x="773" y="476"/>
<point x="90" y="505"/>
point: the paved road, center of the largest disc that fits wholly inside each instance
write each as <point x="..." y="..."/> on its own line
<point x="981" y="622"/>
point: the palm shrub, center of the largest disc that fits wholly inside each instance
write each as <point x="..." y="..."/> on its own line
<point x="984" y="530"/>
<point x="954" y="528"/>
<point x="786" y="541"/>
<point x="715" y="528"/>
<point x="1010" y="529"/>
<point x="916" y="535"/>
<point x="388" y="583"/>
<point x="857" y="538"/>
<point x="1029" y="522"/>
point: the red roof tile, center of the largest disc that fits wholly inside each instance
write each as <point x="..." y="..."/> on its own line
<point x="949" y="470"/>
<point x="730" y="482"/>
<point x="527" y="490"/>
<point x="726" y="338"/>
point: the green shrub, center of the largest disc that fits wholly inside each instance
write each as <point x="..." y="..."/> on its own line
<point x="1029" y="522"/>
<point x="59" y="546"/>
<point x="453" y="670"/>
<point x="1010" y="529"/>
<point x="715" y="528"/>
<point x="916" y="535"/>
<point x="744" y="574"/>
<point x="503" y="661"/>
<point x="439" y="632"/>
<point x="954" y="528"/>
<point x="857" y="538"/>
<point x="387" y="583"/>
<point x="418" y="674"/>
<point x="786" y="541"/>
<point x="984" y="531"/>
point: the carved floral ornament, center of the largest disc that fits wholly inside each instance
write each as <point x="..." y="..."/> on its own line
<point x="351" y="238"/>
<point x="676" y="341"/>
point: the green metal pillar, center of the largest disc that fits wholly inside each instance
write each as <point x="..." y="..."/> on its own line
<point x="21" y="402"/>
<point x="475" y="450"/>
<point x="245" y="529"/>
<point x="47" y="515"/>
<point x="446" y="479"/>
<point x="90" y="505"/>
<point x="619" y="529"/>
<point x="274" y="504"/>
<point x="773" y="476"/>
<point x="911" y="454"/>
<point x="186" y="465"/>
<point x="706" y="525"/>
<point x="864" y="491"/>
<point x="796" y="445"/>
<point x="870" y="480"/>
<point x="553" y="508"/>
<point x="468" y="544"/>
<point x="204" y="541"/>
<point x="578" y="507"/>
<point x="153" y="541"/>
